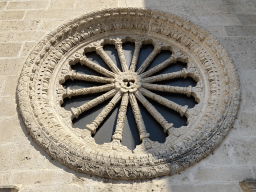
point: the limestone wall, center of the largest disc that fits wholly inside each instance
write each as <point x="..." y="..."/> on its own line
<point x="25" y="165"/>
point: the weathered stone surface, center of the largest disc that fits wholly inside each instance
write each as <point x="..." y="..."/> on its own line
<point x="2" y="5"/>
<point x="248" y="94"/>
<point x="10" y="131"/>
<point x="131" y="3"/>
<point x="247" y="19"/>
<point x="222" y="155"/>
<point x="218" y="31"/>
<point x="28" y="5"/>
<point x="66" y="14"/>
<point x="219" y="19"/>
<point x="241" y="30"/>
<point x="244" y="150"/>
<point x="244" y="60"/>
<point x="19" y="25"/>
<point x="49" y="25"/>
<point x="8" y="106"/>
<point x="245" y="125"/>
<point x="65" y="4"/>
<point x="206" y="187"/>
<point x="95" y="4"/>
<point x="237" y="44"/>
<point x="10" y="49"/>
<point x="230" y="173"/>
<point x="11" y="66"/>
<point x="2" y="84"/>
<point x="12" y="15"/>
<point x="222" y="7"/>
<point x="10" y="86"/>
<point x="22" y="36"/>
<point x="26" y="49"/>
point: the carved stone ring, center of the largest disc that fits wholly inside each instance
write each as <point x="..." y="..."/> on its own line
<point x="41" y="93"/>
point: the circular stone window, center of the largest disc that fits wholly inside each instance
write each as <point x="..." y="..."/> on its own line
<point x="41" y="93"/>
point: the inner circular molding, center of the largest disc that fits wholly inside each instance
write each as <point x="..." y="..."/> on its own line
<point x="41" y="93"/>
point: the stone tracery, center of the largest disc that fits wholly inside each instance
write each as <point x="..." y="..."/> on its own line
<point x="40" y="93"/>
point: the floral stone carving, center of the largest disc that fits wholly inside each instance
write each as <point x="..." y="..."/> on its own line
<point x="40" y="93"/>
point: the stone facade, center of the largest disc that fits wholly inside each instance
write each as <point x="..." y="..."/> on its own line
<point x="26" y="167"/>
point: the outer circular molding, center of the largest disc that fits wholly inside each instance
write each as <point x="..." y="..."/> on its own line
<point x="217" y="91"/>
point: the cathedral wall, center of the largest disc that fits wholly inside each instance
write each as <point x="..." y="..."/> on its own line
<point x="25" y="166"/>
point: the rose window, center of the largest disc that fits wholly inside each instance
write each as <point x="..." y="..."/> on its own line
<point x="130" y="84"/>
<point x="180" y="99"/>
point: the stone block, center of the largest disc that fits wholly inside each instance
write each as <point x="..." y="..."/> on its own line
<point x="206" y="8"/>
<point x="11" y="131"/>
<point x="244" y="150"/>
<point x="42" y="177"/>
<point x="95" y="4"/>
<point x="8" y="106"/>
<point x="10" y="49"/>
<point x="236" y="44"/>
<point x="217" y="187"/>
<point x="49" y="25"/>
<point x="248" y="85"/>
<point x="65" y="4"/>
<point x="25" y="157"/>
<point x="2" y="84"/>
<point x="2" y="5"/>
<point x="11" y="15"/>
<point x="217" y="31"/>
<point x="244" y="60"/>
<point x="11" y="66"/>
<point x="4" y="160"/>
<point x="230" y="173"/>
<point x="55" y="188"/>
<point x="19" y="25"/>
<point x="10" y="86"/>
<point x="27" y="48"/>
<point x="222" y="155"/>
<point x="27" y="5"/>
<point x="219" y="19"/>
<point x="247" y="19"/>
<point x="21" y="36"/>
<point x="240" y="30"/>
<point x="65" y="14"/>
<point x="131" y="3"/>
<point x="245" y="124"/>
<point x="170" y="8"/>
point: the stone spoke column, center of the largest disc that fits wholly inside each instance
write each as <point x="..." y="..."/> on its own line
<point x="138" y="118"/>
<point x="85" y="61"/>
<point x="104" y="113"/>
<point x="77" y="111"/>
<point x="173" y="89"/>
<point x="121" y="118"/>
<point x="107" y="59"/>
<point x="122" y="59"/>
<point x="149" y="59"/>
<point x="159" y="67"/>
<point x="152" y="110"/>
<point x="170" y="104"/>
<point x="90" y="90"/>
<point x="78" y="76"/>
<point x="135" y="57"/>
<point x="183" y="73"/>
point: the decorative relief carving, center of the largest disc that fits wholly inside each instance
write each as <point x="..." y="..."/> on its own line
<point x="40" y="93"/>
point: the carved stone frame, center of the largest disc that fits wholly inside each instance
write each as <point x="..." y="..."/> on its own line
<point x="39" y="94"/>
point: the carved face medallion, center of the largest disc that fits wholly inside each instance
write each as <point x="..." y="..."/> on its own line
<point x="41" y="93"/>
<point x="127" y="82"/>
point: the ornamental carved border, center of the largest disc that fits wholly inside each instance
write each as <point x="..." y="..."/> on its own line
<point x="40" y="93"/>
